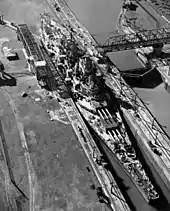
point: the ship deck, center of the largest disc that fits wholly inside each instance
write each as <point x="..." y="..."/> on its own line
<point x="91" y="151"/>
<point x="146" y="123"/>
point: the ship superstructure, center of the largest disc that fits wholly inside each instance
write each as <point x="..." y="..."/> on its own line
<point x="92" y="97"/>
<point x="65" y="66"/>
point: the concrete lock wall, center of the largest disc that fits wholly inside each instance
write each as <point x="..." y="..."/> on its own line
<point x="160" y="179"/>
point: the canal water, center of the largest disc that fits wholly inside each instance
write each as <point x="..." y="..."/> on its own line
<point x="99" y="17"/>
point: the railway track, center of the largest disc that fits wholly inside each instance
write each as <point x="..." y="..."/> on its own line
<point x="31" y="173"/>
<point x="7" y="172"/>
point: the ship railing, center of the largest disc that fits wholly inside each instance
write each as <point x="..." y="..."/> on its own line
<point x="90" y="147"/>
<point x="135" y="178"/>
<point x="149" y="122"/>
<point x="117" y="136"/>
<point x="137" y="104"/>
<point x="52" y="69"/>
<point x="155" y="124"/>
<point x="115" y="190"/>
<point x="132" y="178"/>
<point x="142" y="174"/>
<point x="67" y="15"/>
<point x="106" y="176"/>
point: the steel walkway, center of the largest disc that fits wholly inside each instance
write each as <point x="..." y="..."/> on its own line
<point x="28" y="40"/>
<point x="137" y="40"/>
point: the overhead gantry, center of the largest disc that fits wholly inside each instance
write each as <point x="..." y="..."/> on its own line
<point x="25" y="35"/>
<point x="155" y="38"/>
<point x="32" y="49"/>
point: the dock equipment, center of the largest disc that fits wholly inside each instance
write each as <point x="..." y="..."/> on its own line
<point x="145" y="38"/>
<point x="32" y="49"/>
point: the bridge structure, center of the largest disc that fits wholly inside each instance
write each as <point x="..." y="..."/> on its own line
<point x="30" y="45"/>
<point x="143" y="124"/>
<point x="146" y="38"/>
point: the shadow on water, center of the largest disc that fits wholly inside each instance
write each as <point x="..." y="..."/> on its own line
<point x="128" y="189"/>
<point x="148" y="81"/>
<point x="150" y="170"/>
<point x="111" y="167"/>
<point x="103" y="148"/>
<point x="7" y="80"/>
<point x="162" y="203"/>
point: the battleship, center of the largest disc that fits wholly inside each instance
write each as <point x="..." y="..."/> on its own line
<point x="66" y="60"/>
<point x="93" y="99"/>
<point x="100" y="106"/>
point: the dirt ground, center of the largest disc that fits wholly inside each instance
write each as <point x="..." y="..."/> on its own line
<point x="162" y="6"/>
<point x="147" y="17"/>
<point x="58" y="161"/>
<point x="63" y="182"/>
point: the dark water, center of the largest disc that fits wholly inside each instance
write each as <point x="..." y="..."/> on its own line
<point x="99" y="17"/>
